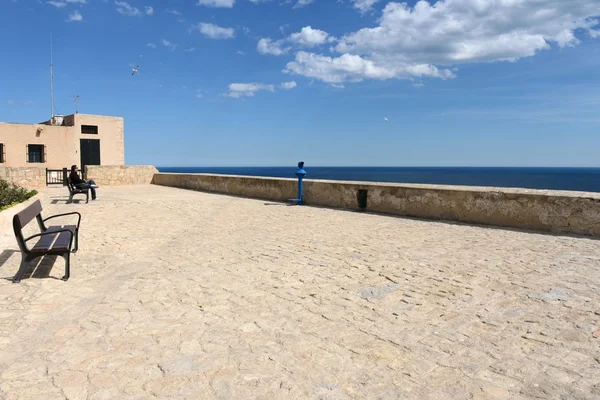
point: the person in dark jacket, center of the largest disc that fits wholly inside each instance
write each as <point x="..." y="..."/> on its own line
<point x="80" y="183"/>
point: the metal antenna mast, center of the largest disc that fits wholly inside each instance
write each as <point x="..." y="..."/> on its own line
<point x="51" y="82"/>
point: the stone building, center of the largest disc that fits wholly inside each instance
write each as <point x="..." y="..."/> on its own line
<point x="80" y="139"/>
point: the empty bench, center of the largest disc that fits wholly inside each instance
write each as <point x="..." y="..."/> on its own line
<point x="53" y="240"/>
<point x="73" y="191"/>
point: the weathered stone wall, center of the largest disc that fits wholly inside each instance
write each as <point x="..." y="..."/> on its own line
<point x="113" y="175"/>
<point x="27" y="177"/>
<point x="246" y="186"/>
<point x="550" y="211"/>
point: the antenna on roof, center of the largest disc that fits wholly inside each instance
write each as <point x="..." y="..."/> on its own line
<point x="76" y="100"/>
<point x="51" y="83"/>
<point x="54" y="119"/>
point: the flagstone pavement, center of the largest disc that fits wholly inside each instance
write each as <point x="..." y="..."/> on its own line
<point x="178" y="294"/>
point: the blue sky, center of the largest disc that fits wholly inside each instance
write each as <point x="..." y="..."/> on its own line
<point x="270" y="82"/>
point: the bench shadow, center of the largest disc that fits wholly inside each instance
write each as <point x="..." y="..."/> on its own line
<point x="5" y="255"/>
<point x="40" y="268"/>
<point x="67" y="201"/>
<point x="279" y="204"/>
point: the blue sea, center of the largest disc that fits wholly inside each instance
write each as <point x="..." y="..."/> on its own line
<point x="578" y="179"/>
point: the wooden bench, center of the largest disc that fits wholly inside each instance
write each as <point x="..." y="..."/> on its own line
<point x="73" y="191"/>
<point x="53" y="240"/>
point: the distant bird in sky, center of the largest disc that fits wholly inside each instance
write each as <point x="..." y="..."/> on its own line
<point x="386" y="119"/>
<point x="135" y="70"/>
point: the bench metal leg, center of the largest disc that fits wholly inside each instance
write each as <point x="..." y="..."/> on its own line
<point x="25" y="259"/>
<point x="87" y="196"/>
<point x="67" y="257"/>
<point x="76" y="247"/>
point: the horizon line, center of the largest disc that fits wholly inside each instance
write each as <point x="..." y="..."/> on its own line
<point x="376" y="166"/>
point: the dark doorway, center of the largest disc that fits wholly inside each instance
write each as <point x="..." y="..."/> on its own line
<point x="90" y="153"/>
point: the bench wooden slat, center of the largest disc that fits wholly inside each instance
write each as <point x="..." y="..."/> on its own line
<point x="58" y="227"/>
<point x="44" y="244"/>
<point x="29" y="213"/>
<point x="62" y="242"/>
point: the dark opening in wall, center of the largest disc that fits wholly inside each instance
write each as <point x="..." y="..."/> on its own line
<point x="89" y="129"/>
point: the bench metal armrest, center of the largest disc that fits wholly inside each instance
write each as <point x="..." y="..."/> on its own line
<point x="49" y="233"/>
<point x="66" y="214"/>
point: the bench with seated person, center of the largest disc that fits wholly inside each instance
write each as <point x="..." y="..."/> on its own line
<point x="73" y="191"/>
<point x="53" y="240"/>
<point x="79" y="183"/>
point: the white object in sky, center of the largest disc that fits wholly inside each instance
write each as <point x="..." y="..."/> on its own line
<point x="386" y="119"/>
<point x="135" y="70"/>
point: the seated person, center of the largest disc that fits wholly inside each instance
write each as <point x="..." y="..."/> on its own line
<point x="80" y="183"/>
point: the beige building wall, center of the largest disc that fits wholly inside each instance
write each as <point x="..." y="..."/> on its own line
<point x="63" y="142"/>
<point x="111" y="132"/>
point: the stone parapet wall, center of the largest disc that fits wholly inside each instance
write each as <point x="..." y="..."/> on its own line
<point x="245" y="186"/>
<point x="27" y="177"/>
<point x="114" y="175"/>
<point x="549" y="211"/>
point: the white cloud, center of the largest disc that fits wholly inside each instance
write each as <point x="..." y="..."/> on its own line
<point x="75" y="16"/>
<point x="288" y="85"/>
<point x="190" y="49"/>
<point x="126" y="9"/>
<point x="61" y="4"/>
<point x="169" y="45"/>
<point x="216" y="3"/>
<point x="364" y="5"/>
<point x="213" y="31"/>
<point x="302" y="3"/>
<point x="423" y="40"/>
<point x="199" y="94"/>
<point x="309" y="37"/>
<point x="268" y="46"/>
<point x="174" y="12"/>
<point x="239" y="52"/>
<point x="237" y="90"/>
<point x="459" y="31"/>
<point x="149" y="10"/>
<point x="57" y="4"/>
<point x="151" y="45"/>
<point x="348" y="67"/>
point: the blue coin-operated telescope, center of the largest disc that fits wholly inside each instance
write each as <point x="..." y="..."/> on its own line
<point x="300" y="173"/>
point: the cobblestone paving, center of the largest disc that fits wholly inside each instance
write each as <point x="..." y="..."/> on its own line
<point x="177" y="294"/>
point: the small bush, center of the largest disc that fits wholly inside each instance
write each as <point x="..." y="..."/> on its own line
<point x="11" y="194"/>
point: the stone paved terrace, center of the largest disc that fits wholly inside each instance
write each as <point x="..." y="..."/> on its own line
<point x="178" y="294"/>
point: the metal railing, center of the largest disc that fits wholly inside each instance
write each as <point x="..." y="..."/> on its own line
<point x="56" y="176"/>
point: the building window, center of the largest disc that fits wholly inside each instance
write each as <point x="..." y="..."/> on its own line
<point x="1" y="153"/>
<point x="89" y="129"/>
<point x="36" y="153"/>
